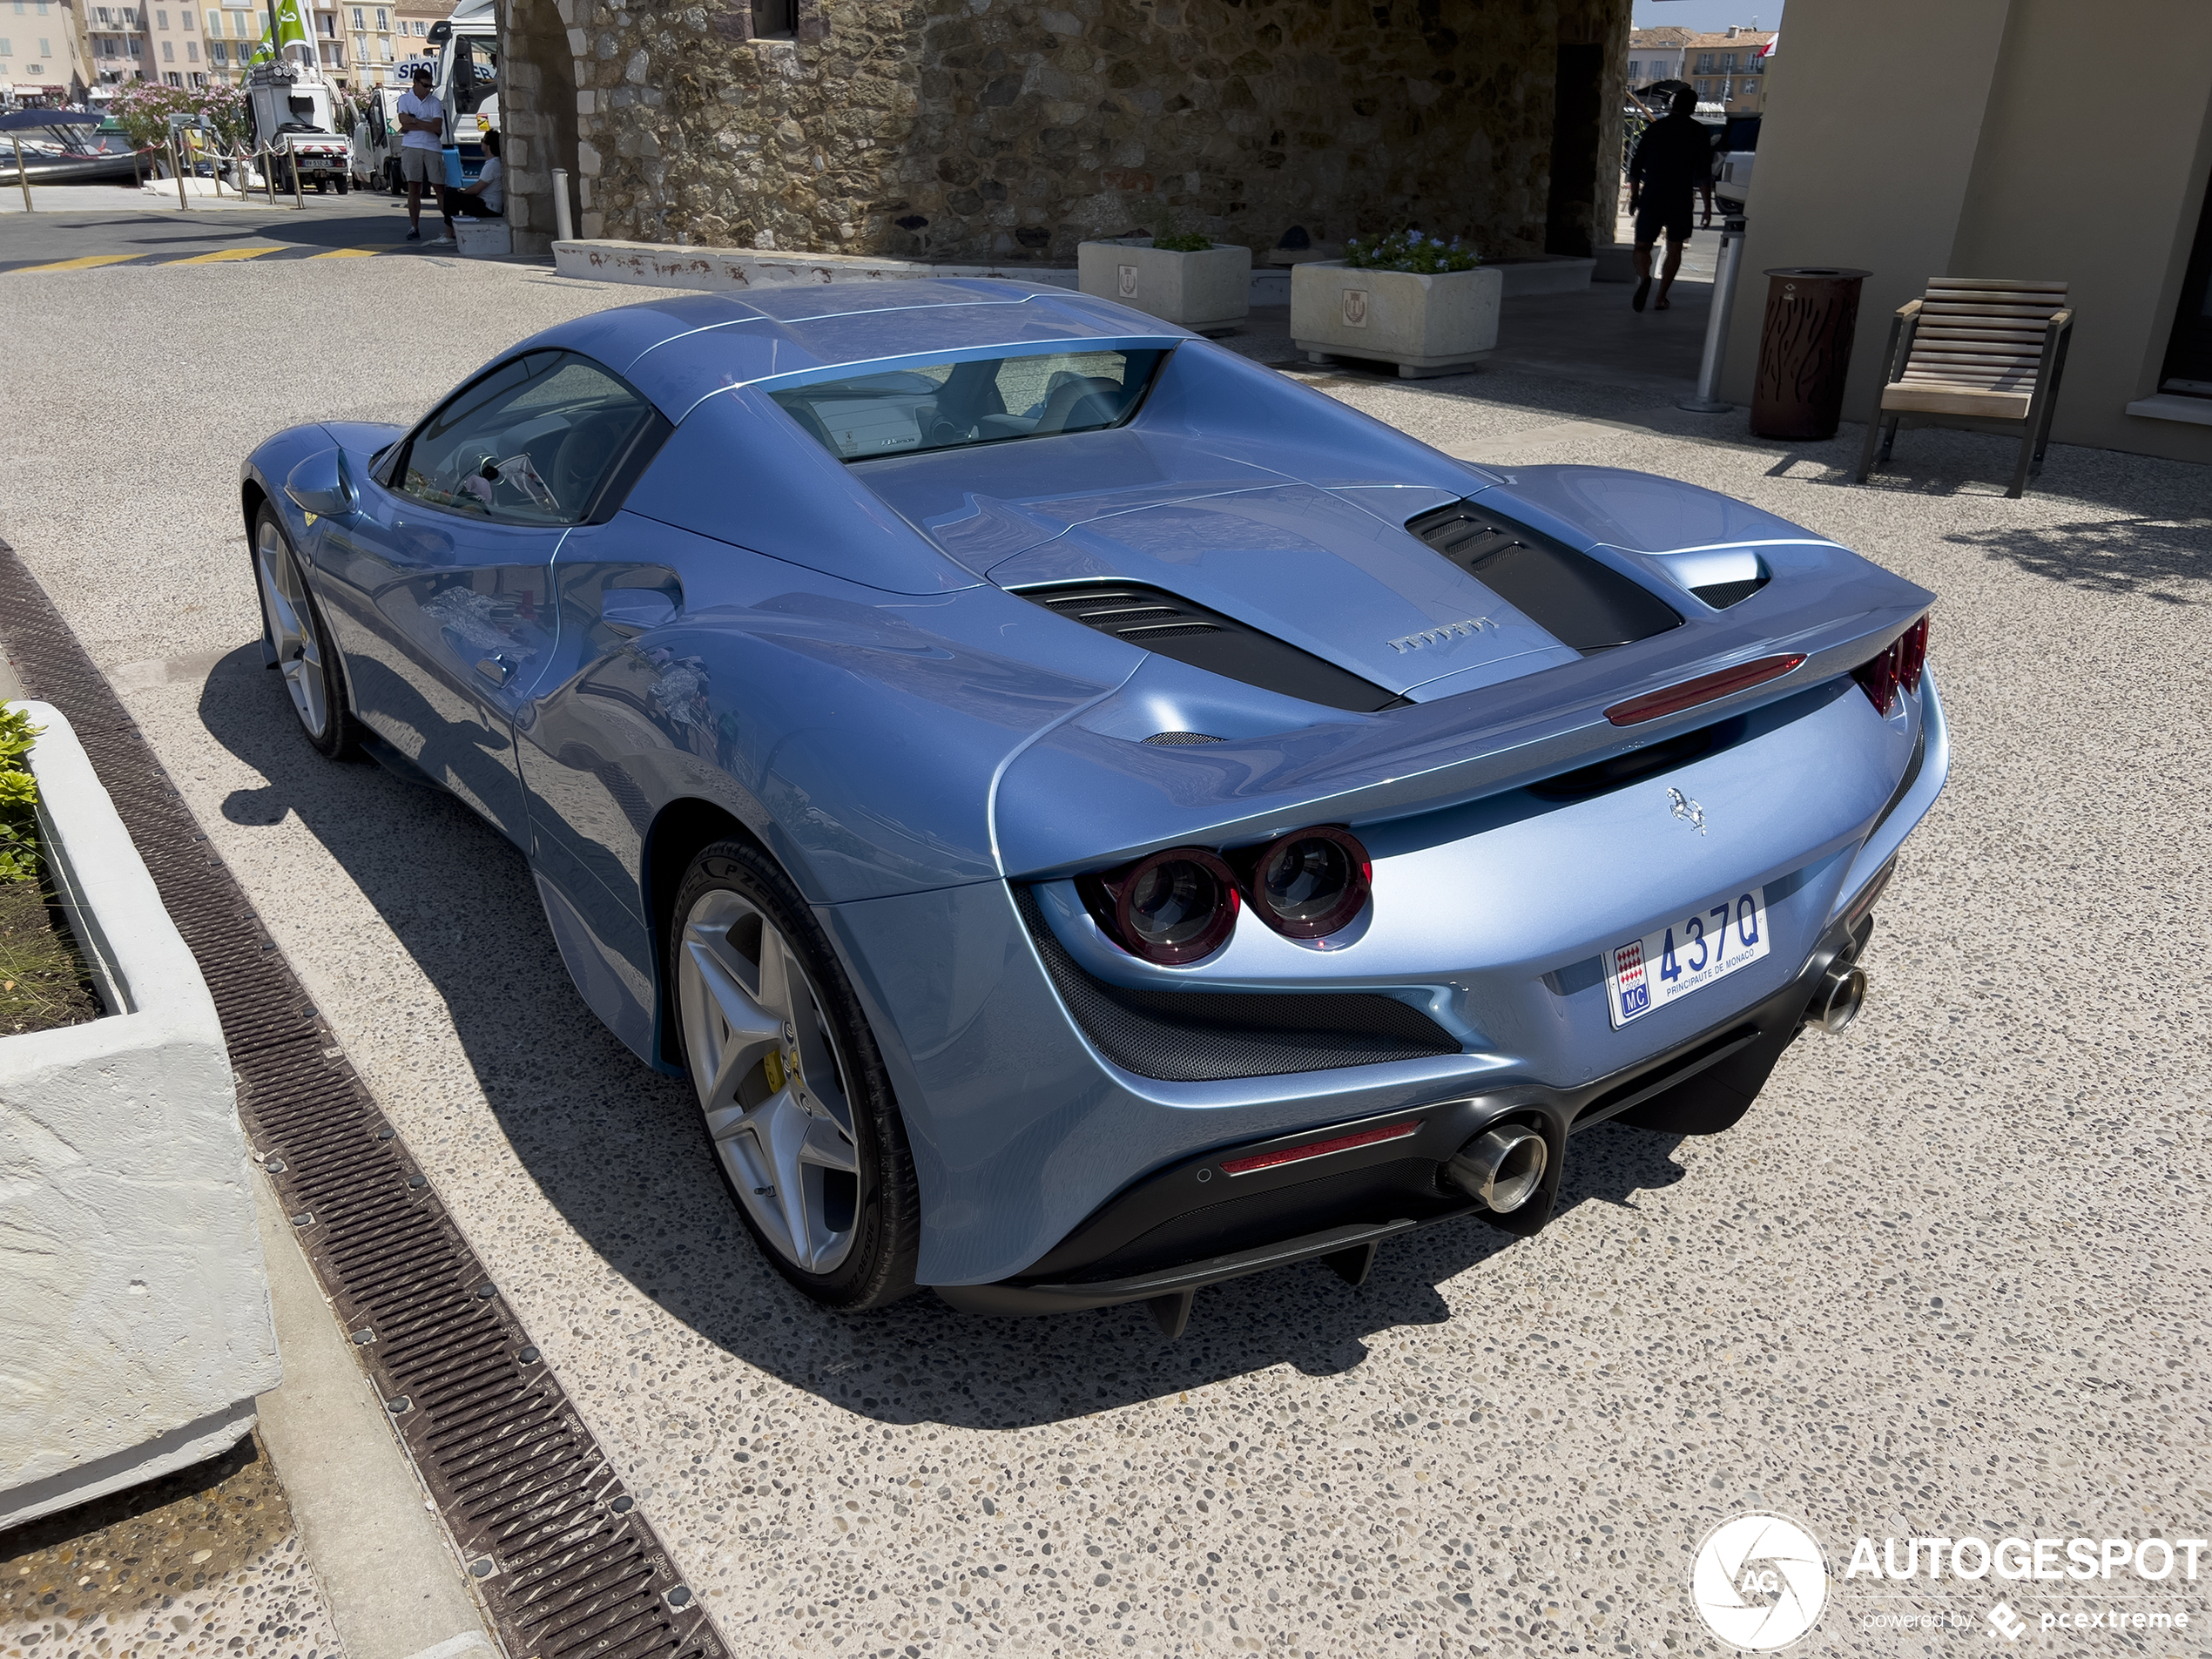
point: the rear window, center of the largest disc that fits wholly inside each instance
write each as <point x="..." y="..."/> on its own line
<point x="950" y="406"/>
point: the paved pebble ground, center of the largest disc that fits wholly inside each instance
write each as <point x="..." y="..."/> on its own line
<point x="1945" y="1280"/>
<point x="203" y="1562"/>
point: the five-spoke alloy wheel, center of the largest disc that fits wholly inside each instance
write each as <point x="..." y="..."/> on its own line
<point x="301" y="643"/>
<point x="793" y="1094"/>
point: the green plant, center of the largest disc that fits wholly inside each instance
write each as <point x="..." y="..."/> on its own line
<point x="18" y="799"/>
<point x="1184" y="242"/>
<point x="143" y="108"/>
<point x="1409" y="251"/>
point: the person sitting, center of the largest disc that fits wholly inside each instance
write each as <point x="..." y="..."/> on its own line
<point x="487" y="198"/>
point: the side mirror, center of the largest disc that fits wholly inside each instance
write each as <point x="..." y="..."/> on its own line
<point x="440" y="31"/>
<point x="632" y="612"/>
<point x="322" y="485"/>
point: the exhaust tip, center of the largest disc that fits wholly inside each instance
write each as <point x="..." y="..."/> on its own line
<point x="1836" y="1004"/>
<point x="1503" y="1168"/>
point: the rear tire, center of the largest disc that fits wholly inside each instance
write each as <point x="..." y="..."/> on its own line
<point x="796" y="1106"/>
<point x="292" y="623"/>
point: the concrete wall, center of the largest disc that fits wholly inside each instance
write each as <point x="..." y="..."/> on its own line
<point x="993" y="130"/>
<point x="1992" y="149"/>
<point x="135" y="1328"/>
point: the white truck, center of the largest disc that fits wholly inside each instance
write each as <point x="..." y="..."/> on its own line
<point x="288" y="107"/>
<point x="464" y="69"/>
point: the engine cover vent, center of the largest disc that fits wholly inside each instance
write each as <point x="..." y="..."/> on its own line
<point x="1581" y="603"/>
<point x="1721" y="595"/>
<point x="1190" y="633"/>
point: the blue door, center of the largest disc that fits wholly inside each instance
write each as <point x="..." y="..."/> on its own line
<point x="440" y="579"/>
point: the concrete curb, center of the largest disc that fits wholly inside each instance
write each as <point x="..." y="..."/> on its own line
<point x="388" y="1570"/>
<point x="137" y="1279"/>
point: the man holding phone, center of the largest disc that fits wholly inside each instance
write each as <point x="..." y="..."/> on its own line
<point x="422" y="124"/>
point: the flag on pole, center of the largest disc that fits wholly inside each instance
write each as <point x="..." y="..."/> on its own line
<point x="1767" y="51"/>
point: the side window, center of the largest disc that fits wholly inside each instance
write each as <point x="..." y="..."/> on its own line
<point x="530" y="443"/>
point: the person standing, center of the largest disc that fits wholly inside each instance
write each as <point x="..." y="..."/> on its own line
<point x="422" y="124"/>
<point x="1674" y="161"/>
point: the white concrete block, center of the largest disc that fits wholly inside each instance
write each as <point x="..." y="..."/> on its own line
<point x="135" y="1331"/>
<point x="1208" y="289"/>
<point x="1427" y="325"/>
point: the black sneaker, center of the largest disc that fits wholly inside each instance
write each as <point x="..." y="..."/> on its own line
<point x="416" y="236"/>
<point x="1643" y="290"/>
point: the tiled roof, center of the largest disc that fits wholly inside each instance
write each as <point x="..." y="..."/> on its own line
<point x="1646" y="39"/>
<point x="1754" y="39"/>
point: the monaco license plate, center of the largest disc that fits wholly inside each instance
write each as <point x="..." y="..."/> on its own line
<point x="1685" y="956"/>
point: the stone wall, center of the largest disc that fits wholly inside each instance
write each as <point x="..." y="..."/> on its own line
<point x="971" y="129"/>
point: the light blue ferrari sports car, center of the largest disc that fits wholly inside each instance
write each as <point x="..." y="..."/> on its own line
<point x="1091" y="817"/>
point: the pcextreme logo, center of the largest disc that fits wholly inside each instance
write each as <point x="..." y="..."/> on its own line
<point x="1759" y="1582"/>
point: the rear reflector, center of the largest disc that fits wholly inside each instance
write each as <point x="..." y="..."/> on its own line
<point x="1703" y="688"/>
<point x="1275" y="1160"/>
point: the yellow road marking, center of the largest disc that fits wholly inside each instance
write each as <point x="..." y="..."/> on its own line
<point x="347" y="254"/>
<point x="222" y="255"/>
<point x="85" y="264"/>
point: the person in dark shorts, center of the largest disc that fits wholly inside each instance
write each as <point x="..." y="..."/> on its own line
<point x="1674" y="161"/>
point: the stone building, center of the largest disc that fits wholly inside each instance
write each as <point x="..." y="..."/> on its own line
<point x="1000" y="129"/>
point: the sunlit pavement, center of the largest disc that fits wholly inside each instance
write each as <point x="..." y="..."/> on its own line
<point x="1945" y="1280"/>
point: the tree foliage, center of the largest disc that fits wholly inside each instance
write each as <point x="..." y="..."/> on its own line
<point x="143" y="108"/>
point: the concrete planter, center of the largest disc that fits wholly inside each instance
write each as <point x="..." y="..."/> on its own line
<point x="1210" y="289"/>
<point x="1427" y="325"/>
<point x="136" y="1329"/>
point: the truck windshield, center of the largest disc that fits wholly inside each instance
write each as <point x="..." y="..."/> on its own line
<point x="949" y="406"/>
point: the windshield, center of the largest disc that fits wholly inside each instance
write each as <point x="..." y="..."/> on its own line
<point x="949" y="406"/>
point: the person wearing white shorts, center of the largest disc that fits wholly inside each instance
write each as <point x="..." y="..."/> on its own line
<point x="422" y="151"/>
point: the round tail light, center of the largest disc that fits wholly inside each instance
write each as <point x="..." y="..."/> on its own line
<point x="1173" y="906"/>
<point x="1310" y="883"/>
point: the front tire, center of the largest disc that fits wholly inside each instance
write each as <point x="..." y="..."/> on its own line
<point x="797" y="1105"/>
<point x="294" y="628"/>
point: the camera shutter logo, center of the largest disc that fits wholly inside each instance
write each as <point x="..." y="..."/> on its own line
<point x="1759" y="1582"/>
<point x="1355" y="307"/>
<point x="1128" y="275"/>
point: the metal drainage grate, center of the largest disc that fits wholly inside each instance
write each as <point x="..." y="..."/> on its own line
<point x="554" y="1545"/>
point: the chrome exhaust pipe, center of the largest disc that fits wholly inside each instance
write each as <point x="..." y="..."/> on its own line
<point x="1503" y="1168"/>
<point x="1836" y="1002"/>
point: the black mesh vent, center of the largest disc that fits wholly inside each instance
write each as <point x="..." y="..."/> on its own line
<point x="1211" y="1036"/>
<point x="1382" y="1192"/>
<point x="1578" y="602"/>
<point x="1179" y="740"/>
<point x="1721" y="595"/>
<point x="1160" y="622"/>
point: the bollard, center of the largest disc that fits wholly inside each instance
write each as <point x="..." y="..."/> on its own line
<point x="23" y="178"/>
<point x="176" y="149"/>
<point x="268" y="175"/>
<point x="297" y="200"/>
<point x="563" y="227"/>
<point x="1709" y="367"/>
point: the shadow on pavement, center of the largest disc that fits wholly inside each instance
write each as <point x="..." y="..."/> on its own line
<point x="618" y="1149"/>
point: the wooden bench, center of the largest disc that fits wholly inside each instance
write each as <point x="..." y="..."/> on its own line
<point x="1977" y="352"/>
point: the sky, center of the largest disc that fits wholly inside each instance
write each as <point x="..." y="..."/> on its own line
<point x="1708" y="17"/>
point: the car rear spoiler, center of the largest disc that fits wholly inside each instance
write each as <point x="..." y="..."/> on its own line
<point x="1365" y="768"/>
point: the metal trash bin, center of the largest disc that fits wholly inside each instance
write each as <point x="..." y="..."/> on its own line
<point x="1805" y="351"/>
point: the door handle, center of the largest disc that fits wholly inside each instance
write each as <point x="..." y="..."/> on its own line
<point x="496" y="669"/>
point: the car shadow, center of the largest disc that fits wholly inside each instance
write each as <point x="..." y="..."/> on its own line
<point x="618" y="1149"/>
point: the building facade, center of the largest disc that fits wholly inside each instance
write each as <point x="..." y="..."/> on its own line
<point x="1730" y="69"/>
<point x="1656" y="55"/>
<point x="1005" y="130"/>
<point x="1950" y="163"/>
<point x="42" y="50"/>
